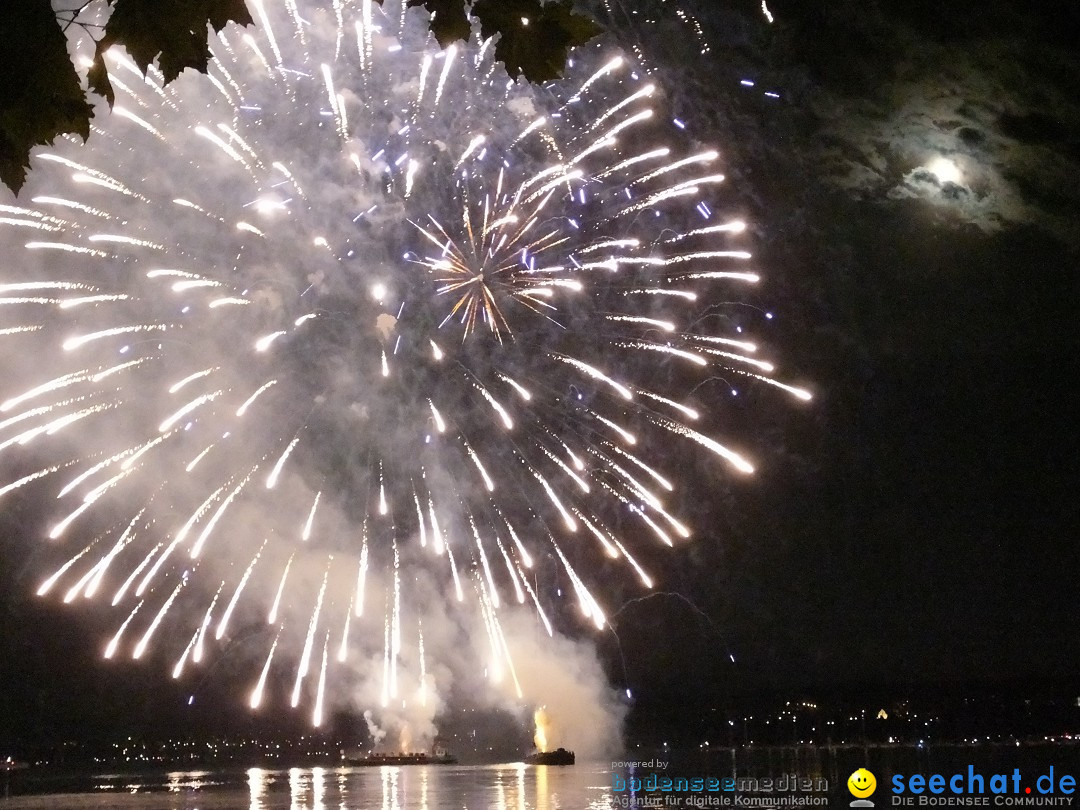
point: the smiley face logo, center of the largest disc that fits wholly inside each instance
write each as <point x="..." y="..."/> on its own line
<point x="861" y="783"/>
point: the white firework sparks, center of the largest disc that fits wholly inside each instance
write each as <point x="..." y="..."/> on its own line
<point x="338" y="300"/>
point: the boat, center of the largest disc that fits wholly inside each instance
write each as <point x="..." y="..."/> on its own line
<point x="437" y="757"/>
<point x="560" y="756"/>
<point x="10" y="764"/>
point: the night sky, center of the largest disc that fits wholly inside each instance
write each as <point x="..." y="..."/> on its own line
<point x="918" y="521"/>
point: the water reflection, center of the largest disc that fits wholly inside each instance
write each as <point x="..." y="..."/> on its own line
<point x="500" y="794"/>
<point x="342" y="786"/>
<point x="390" y="787"/>
<point x="542" y="787"/>
<point x="258" y="785"/>
<point x="520" y="769"/>
<point x="177" y="781"/>
<point x="510" y="787"/>
<point x="297" y="788"/>
<point x="498" y="787"/>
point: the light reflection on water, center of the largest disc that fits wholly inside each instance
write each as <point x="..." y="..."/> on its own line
<point x="442" y="787"/>
<point x="496" y="787"/>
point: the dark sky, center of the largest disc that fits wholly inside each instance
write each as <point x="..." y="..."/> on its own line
<point x="917" y="522"/>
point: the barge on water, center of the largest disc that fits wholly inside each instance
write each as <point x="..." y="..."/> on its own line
<point x="560" y="756"/>
<point x="437" y="757"/>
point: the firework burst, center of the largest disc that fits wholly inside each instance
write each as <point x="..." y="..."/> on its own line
<point x="349" y="320"/>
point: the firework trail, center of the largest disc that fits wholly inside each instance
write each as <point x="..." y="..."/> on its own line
<point x="349" y="308"/>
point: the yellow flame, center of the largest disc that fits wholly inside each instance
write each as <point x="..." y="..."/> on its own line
<point x="542" y="723"/>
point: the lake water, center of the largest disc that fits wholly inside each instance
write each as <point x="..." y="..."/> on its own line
<point x="585" y="786"/>
<point x="481" y="787"/>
